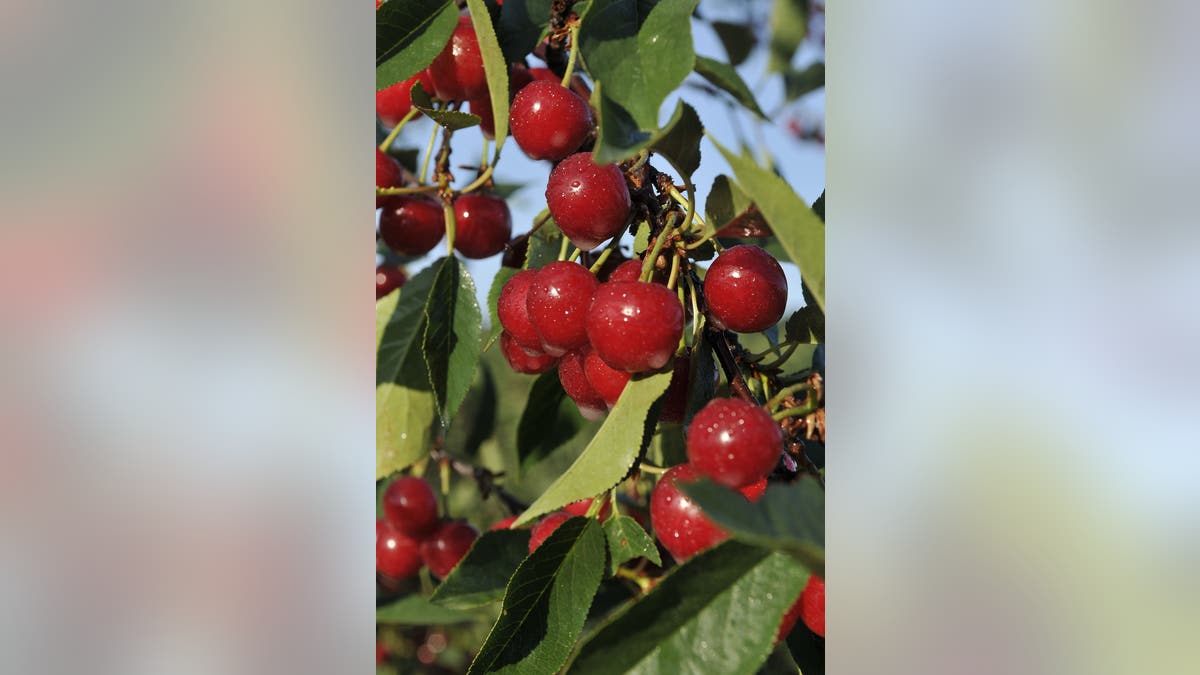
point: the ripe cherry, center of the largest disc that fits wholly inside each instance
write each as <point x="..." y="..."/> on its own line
<point x="607" y="381"/>
<point x="681" y="526"/>
<point x="411" y="507"/>
<point x="745" y="289"/>
<point x="394" y="102"/>
<point x="387" y="279"/>
<point x="634" y="326"/>
<point x="396" y="556"/>
<point x="411" y="226"/>
<point x="734" y="442"/>
<point x="387" y="174"/>
<point x="487" y="120"/>
<point x="580" y="508"/>
<point x="549" y="121"/>
<point x="503" y="524"/>
<point x="675" y="400"/>
<point x="516" y="252"/>
<point x="754" y="491"/>
<point x="447" y="546"/>
<point x="811" y="605"/>
<point x="522" y="75"/>
<point x="545" y="527"/>
<point x="513" y="310"/>
<point x="458" y="70"/>
<point x="589" y="203"/>
<point x="631" y="270"/>
<point x="575" y="383"/>
<point x="483" y="225"/>
<point x="558" y="303"/>
<point x="520" y="360"/>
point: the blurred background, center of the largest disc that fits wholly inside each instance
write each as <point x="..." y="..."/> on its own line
<point x="186" y="423"/>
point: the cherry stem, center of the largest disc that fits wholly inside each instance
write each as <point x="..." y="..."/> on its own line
<point x="478" y="182"/>
<point x="650" y="468"/>
<point x="674" y="278"/>
<point x="483" y="161"/>
<point x="574" y="253"/>
<point x="594" y="507"/>
<point x="406" y="190"/>
<point x="485" y="480"/>
<point x="691" y="192"/>
<point x="428" y="155"/>
<point x="391" y="137"/>
<point x="777" y="399"/>
<point x="697" y="317"/>
<point x="652" y="258"/>
<point x="562" y="250"/>
<point x="574" y="30"/>
<point x="795" y="412"/>
<point x="604" y="255"/>
<point x="787" y="354"/>
<point x="612" y="498"/>
<point x="451" y="226"/>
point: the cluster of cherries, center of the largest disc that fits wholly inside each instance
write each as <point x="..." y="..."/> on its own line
<point x="411" y="535"/>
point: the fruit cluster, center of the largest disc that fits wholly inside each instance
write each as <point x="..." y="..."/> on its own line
<point x="411" y="535"/>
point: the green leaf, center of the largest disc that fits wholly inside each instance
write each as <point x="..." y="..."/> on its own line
<point x="723" y="76"/>
<point x="523" y="23"/>
<point x="545" y="603"/>
<point x="611" y="452"/>
<point x="681" y="140"/>
<point x="449" y="119"/>
<point x="544" y="244"/>
<point x="737" y="38"/>
<point x="789" y="518"/>
<point x="417" y="611"/>
<point x="702" y="381"/>
<point x="627" y="541"/>
<point x="716" y="614"/>
<point x="481" y="576"/>
<point x="789" y="26"/>
<point x="494" y="66"/>
<point x="797" y="228"/>
<point x="548" y="421"/>
<point x="668" y="446"/>
<point x="494" y="327"/>
<point x="409" y="35"/>
<point x="452" y="330"/>
<point x="725" y="203"/>
<point x="641" y="51"/>
<point x="619" y="137"/>
<point x="797" y="83"/>
<point x="404" y="407"/>
<point x="476" y="418"/>
<point x="806" y="324"/>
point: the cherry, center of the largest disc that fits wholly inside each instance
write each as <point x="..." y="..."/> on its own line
<point x="483" y="225"/>
<point x="558" y="302"/>
<point x="614" y="261"/>
<point x="458" y="70"/>
<point x="675" y="400"/>
<point x="503" y="524"/>
<point x="589" y="203"/>
<point x="745" y="289"/>
<point x="631" y="270"/>
<point x="634" y="326"/>
<point x="607" y="381"/>
<point x="387" y="174"/>
<point x="396" y="556"/>
<point x="520" y="360"/>
<point x="411" y="507"/>
<point x="522" y="75"/>
<point x="810" y="605"/>
<point x="446" y="548"/>
<point x="580" y="508"/>
<point x="545" y="527"/>
<point x="549" y="121"/>
<point x="387" y="279"/>
<point x="394" y="102"/>
<point x="681" y="526"/>
<point x="754" y="491"/>
<point x="513" y="310"/>
<point x="734" y="442"/>
<point x="575" y="383"/>
<point x="516" y="252"/>
<point x="412" y="226"/>
<point x="487" y="120"/>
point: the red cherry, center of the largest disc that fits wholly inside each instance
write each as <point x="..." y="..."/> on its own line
<point x="513" y="310"/>
<point x="734" y="442"/>
<point x="558" y="302"/>
<point x="394" y="102"/>
<point x="449" y="543"/>
<point x="549" y="121"/>
<point x="614" y="261"/>
<point x="520" y="360"/>
<point x="606" y="380"/>
<point x="458" y="70"/>
<point x="396" y="556"/>
<point x="634" y="326"/>
<point x="681" y="526"/>
<point x="580" y="508"/>
<point x="516" y="252"/>
<point x="754" y="491"/>
<point x="545" y="527"/>
<point x="745" y="289"/>
<point x="411" y="507"/>
<point x="589" y="203"/>
<point x="387" y="279"/>
<point x="412" y="226"/>
<point x="483" y="225"/>
<point x="575" y="383"/>
<point x="503" y="524"/>
<point x="388" y="172"/>
<point x="810" y="604"/>
<point x="487" y="120"/>
<point x="675" y="400"/>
